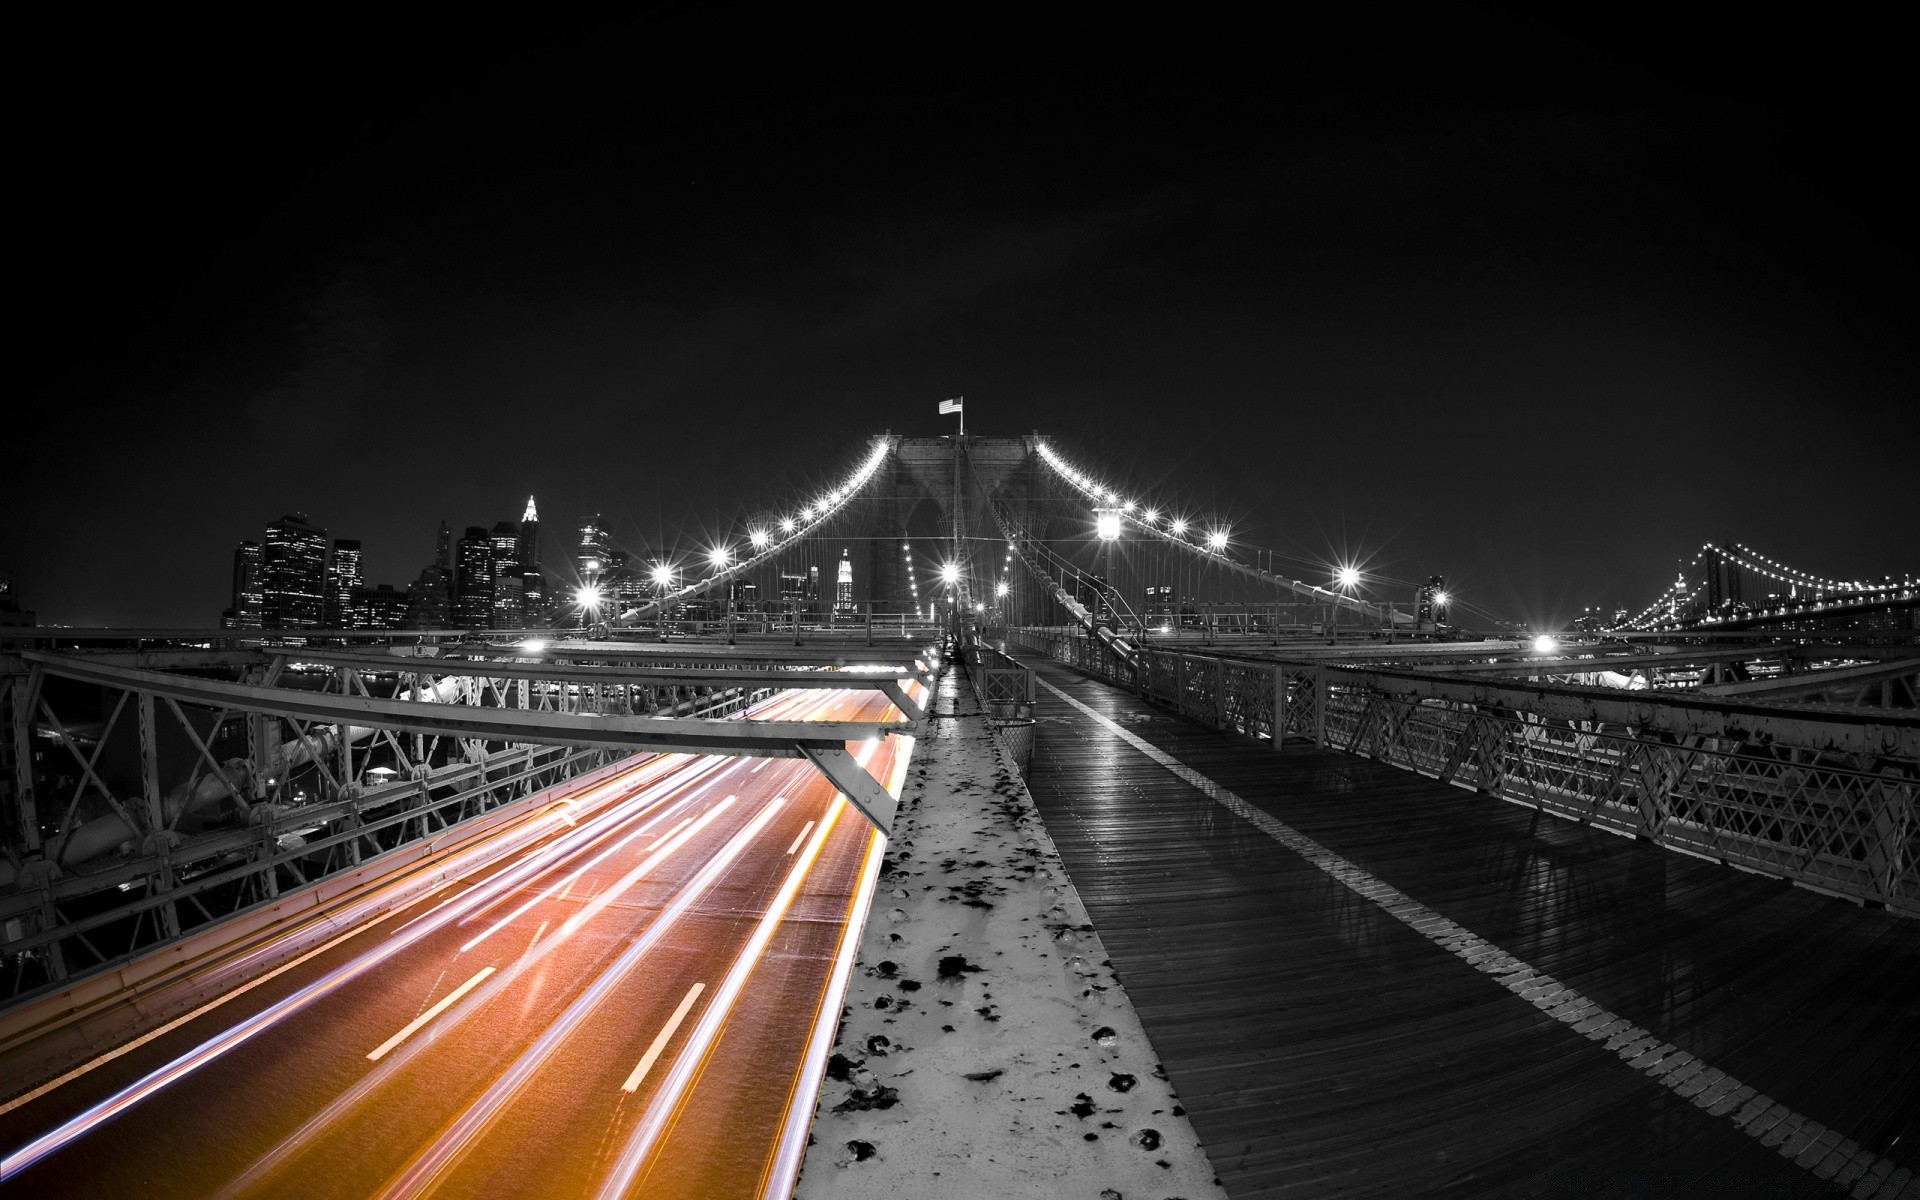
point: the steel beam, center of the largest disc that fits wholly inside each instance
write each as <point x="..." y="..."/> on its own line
<point x="718" y="736"/>
<point x="1816" y="681"/>
<point x="861" y="789"/>
<point x="536" y="668"/>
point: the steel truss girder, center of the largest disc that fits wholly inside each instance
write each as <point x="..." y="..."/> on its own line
<point x="780" y="739"/>
<point x="887" y="682"/>
<point x="1889" y="734"/>
<point x="418" y="795"/>
<point x="861" y="789"/>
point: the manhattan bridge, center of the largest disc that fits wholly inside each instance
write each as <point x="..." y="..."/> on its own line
<point x="975" y="826"/>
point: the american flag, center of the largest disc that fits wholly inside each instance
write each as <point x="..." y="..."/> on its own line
<point x="949" y="407"/>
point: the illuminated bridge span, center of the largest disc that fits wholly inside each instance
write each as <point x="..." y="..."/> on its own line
<point x="584" y="910"/>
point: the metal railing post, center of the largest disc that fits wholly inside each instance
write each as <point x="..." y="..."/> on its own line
<point x="1320" y="699"/>
<point x="1279" y="705"/>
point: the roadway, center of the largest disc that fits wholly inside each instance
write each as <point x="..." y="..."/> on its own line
<point x="633" y="990"/>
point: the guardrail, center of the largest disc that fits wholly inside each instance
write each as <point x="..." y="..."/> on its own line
<point x="1828" y="800"/>
<point x="1005" y="688"/>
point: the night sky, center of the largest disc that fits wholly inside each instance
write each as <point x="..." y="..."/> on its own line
<point x="1539" y="307"/>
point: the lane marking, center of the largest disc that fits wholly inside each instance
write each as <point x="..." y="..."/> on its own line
<point x="419" y="1176"/>
<point x="177" y="1022"/>
<point x="804" y="830"/>
<point x="412" y="1027"/>
<point x="1805" y="1142"/>
<point x="761" y="767"/>
<point x="536" y="936"/>
<point x="665" y="1035"/>
<point x="693" y="1056"/>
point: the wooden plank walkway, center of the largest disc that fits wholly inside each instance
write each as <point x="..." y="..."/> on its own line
<point x="1323" y="1047"/>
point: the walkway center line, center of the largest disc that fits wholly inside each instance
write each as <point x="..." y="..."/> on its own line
<point x="662" y="1038"/>
<point x="1801" y="1140"/>
<point x="412" y="1027"/>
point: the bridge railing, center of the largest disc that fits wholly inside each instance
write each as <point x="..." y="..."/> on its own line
<point x="1830" y="801"/>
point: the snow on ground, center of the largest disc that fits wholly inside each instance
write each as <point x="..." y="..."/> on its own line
<point x="987" y="1047"/>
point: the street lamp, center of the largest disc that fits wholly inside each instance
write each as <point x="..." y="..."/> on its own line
<point x="1106" y="522"/>
<point x="1349" y="577"/>
<point x="1217" y="539"/>
<point x="719" y="556"/>
<point x="1000" y="589"/>
<point x="662" y="576"/>
<point x="786" y="525"/>
<point x="760" y="538"/>
<point x="1179" y="526"/>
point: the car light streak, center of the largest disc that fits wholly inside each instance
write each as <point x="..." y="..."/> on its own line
<point x="792" y="1150"/>
<point x="412" y="1027"/>
<point x="534" y="952"/>
<point x="663" y="1037"/>
<point x="236" y="1035"/>
<point x="654" y="857"/>
<point x="591" y="863"/>
<point x="419" y="1176"/>
<point x="693" y="1055"/>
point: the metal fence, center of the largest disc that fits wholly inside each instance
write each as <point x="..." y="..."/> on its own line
<point x="1829" y="800"/>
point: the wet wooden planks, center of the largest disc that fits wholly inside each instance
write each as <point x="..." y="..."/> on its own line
<point x="1326" y="1048"/>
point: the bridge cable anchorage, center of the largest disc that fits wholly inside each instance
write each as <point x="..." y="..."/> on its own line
<point x="1716" y="1092"/>
<point x="836" y="500"/>
<point x="1387" y="616"/>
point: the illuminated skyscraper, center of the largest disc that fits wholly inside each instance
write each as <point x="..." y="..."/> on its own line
<point x="509" y="580"/>
<point x="843" y="585"/>
<point x="473" y="580"/>
<point x="293" y="574"/>
<point x="591" y="559"/>
<point x="383" y="607"/>
<point x="343" y="575"/>
<point x="249" y="598"/>
<point x="535" y="591"/>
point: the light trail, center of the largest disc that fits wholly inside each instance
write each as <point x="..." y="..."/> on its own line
<point x="572" y="847"/>
<point x="420" y="1175"/>
<point x="591" y="863"/>
<point x="246" y="1029"/>
<point x="791" y="1151"/>
<point x="692" y="1057"/>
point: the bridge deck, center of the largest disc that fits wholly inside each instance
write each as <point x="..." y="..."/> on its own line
<point x="1323" y="1046"/>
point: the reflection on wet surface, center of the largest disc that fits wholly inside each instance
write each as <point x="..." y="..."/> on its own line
<point x="1320" y="1042"/>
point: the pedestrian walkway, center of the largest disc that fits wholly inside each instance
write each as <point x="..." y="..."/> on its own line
<point x="1365" y="982"/>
